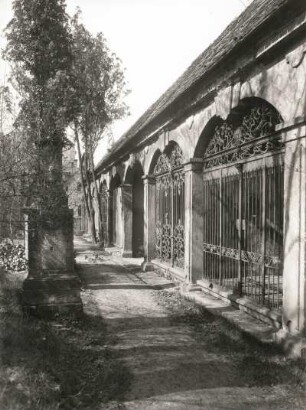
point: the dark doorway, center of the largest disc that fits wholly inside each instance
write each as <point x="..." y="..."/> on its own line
<point x="134" y="178"/>
<point x="138" y="211"/>
<point x="113" y="209"/>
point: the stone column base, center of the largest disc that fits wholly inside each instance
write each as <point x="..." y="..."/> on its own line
<point x="293" y="345"/>
<point x="189" y="287"/>
<point x="147" y="266"/>
<point x="51" y="295"/>
<point x="127" y="254"/>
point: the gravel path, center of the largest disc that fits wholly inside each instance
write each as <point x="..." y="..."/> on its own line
<point x="177" y="365"/>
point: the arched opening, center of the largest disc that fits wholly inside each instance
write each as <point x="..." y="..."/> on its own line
<point x="170" y="206"/>
<point x="206" y="136"/>
<point x="95" y="210"/>
<point x="104" y="209"/>
<point x="114" y="211"/>
<point x="243" y="180"/>
<point x="154" y="160"/>
<point x="134" y="178"/>
<point x="138" y="211"/>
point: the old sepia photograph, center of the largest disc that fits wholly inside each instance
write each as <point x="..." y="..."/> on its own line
<point x="152" y="205"/>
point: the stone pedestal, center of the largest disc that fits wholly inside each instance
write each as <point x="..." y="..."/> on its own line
<point x="193" y="220"/>
<point x="127" y="220"/>
<point x="51" y="286"/>
<point x="149" y="222"/>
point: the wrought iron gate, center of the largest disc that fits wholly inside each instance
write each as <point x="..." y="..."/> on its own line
<point x="243" y="208"/>
<point x="169" y="206"/>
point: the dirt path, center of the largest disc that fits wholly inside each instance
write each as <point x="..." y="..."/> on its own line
<point x="179" y="357"/>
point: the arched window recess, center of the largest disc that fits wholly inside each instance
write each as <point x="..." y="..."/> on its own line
<point x="243" y="187"/>
<point x="254" y="135"/>
<point x="169" y="206"/>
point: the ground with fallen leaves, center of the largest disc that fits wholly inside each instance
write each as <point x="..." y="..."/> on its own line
<point x="136" y="347"/>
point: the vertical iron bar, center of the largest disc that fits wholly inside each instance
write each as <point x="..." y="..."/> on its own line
<point x="240" y="245"/>
<point x="270" y="205"/>
<point x="220" y="228"/>
<point x="281" y="227"/>
<point x="210" y="223"/>
<point x="275" y="272"/>
<point x="225" y="227"/>
<point x="263" y="233"/>
<point x="276" y="224"/>
<point x="215" y="233"/>
<point x="213" y="230"/>
<point x="172" y="217"/>
<point x="245" y="205"/>
<point x="204" y="226"/>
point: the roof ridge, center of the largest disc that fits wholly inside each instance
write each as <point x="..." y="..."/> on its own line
<point x="260" y="10"/>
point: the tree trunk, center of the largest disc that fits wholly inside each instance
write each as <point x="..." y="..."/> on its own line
<point x="87" y="198"/>
<point x="90" y="201"/>
<point x="98" y="198"/>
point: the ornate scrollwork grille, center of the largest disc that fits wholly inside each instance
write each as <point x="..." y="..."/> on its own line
<point x="229" y="144"/>
<point x="170" y="194"/>
<point x="243" y="208"/>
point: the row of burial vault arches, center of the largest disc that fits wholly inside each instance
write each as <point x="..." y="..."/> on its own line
<point x="234" y="119"/>
<point x="242" y="208"/>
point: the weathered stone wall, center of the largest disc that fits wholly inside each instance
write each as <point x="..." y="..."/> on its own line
<point x="273" y="72"/>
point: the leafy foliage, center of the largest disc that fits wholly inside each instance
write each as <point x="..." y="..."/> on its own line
<point x="12" y="257"/>
<point x="63" y="75"/>
<point x="17" y="183"/>
<point x="100" y="88"/>
<point x="98" y="99"/>
<point x="39" y="48"/>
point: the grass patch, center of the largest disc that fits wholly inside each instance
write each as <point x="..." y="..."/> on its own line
<point x="66" y="363"/>
<point x="258" y="364"/>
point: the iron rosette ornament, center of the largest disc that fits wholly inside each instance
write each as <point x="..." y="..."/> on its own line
<point x="229" y="144"/>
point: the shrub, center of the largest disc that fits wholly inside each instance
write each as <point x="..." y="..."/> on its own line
<point x="12" y="257"/>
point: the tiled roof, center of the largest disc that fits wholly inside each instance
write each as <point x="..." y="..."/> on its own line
<point x="235" y="33"/>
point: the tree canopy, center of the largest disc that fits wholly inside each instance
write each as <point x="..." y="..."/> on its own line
<point x="99" y="100"/>
<point x="64" y="75"/>
<point x="39" y="49"/>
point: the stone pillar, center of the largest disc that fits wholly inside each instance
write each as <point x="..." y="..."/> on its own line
<point x="294" y="283"/>
<point x="149" y="221"/>
<point x="127" y="220"/>
<point x="51" y="285"/>
<point x="109" y="218"/>
<point x="105" y="214"/>
<point x="96" y="214"/>
<point x="193" y="220"/>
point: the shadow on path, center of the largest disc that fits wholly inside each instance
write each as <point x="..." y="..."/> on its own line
<point x="65" y="363"/>
<point x="182" y="357"/>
